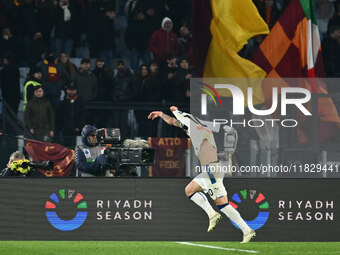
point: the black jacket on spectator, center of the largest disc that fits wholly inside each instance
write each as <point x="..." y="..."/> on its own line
<point x="46" y="17"/>
<point x="71" y="114"/>
<point x="149" y="90"/>
<point x="181" y="85"/>
<point x="138" y="34"/>
<point x="64" y="29"/>
<point x="105" y="83"/>
<point x="10" y="85"/>
<point x="167" y="83"/>
<point x="331" y="57"/>
<point x="87" y="85"/>
<point x="334" y="21"/>
<point x="124" y="89"/>
<point x="13" y="46"/>
<point x="27" y="19"/>
<point x="35" y="51"/>
<point x="100" y="29"/>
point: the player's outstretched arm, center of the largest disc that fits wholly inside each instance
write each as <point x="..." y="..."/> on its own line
<point x="165" y="117"/>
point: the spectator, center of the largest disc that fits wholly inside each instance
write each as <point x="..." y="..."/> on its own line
<point x="178" y="11"/>
<point x="123" y="92"/>
<point x="10" y="44"/>
<point x="181" y="82"/>
<point x="102" y="41"/>
<point x="64" y="27"/>
<point x="34" y="79"/>
<point x="155" y="11"/>
<point x="156" y="81"/>
<point x="163" y="41"/>
<point x="121" y="66"/>
<point x="69" y="68"/>
<point x="7" y="12"/>
<point x="335" y="20"/>
<point x="148" y="91"/>
<point x="325" y="12"/>
<point x="154" y="68"/>
<point x="53" y="78"/>
<point x="137" y="37"/>
<point x="37" y="50"/>
<point x="27" y="21"/>
<point x="46" y="18"/>
<point x="71" y="113"/>
<point x="89" y="159"/>
<point x="86" y="81"/>
<point x="184" y="42"/>
<point x="123" y="85"/>
<point x="120" y="28"/>
<point x="105" y="80"/>
<point x="39" y="116"/>
<point x="331" y="52"/>
<point x="10" y="83"/>
<point x="167" y="75"/>
<point x="130" y="9"/>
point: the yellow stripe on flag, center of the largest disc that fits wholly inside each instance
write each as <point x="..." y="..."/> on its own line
<point x="234" y="23"/>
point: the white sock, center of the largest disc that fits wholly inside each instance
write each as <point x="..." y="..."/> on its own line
<point x="201" y="200"/>
<point x="235" y="216"/>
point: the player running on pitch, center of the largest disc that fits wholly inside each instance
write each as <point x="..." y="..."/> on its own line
<point x="208" y="181"/>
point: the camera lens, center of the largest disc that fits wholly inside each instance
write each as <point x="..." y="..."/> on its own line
<point x="24" y="165"/>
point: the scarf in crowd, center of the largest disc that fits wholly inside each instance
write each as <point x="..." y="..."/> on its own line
<point x="67" y="13"/>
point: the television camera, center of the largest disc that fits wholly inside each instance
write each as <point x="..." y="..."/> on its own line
<point x="126" y="156"/>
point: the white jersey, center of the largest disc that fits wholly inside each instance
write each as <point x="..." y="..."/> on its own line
<point x="196" y="129"/>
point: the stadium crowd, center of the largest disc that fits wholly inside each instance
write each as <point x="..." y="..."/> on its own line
<point x="142" y="52"/>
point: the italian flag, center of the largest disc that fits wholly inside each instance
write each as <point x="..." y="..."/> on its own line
<point x="313" y="39"/>
<point x="292" y="49"/>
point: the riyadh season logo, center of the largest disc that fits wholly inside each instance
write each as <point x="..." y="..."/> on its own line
<point x="260" y="203"/>
<point x="57" y="199"/>
<point x="289" y="96"/>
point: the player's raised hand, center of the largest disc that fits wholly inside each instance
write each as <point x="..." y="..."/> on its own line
<point x="155" y="114"/>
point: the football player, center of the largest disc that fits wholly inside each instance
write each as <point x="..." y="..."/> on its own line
<point x="209" y="181"/>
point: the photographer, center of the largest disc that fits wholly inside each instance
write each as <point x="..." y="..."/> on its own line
<point x="19" y="166"/>
<point x="13" y="168"/>
<point x="88" y="157"/>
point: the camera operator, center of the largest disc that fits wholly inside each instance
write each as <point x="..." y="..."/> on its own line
<point x="14" y="167"/>
<point x="88" y="157"/>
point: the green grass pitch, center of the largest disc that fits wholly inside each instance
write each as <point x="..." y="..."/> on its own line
<point x="164" y="248"/>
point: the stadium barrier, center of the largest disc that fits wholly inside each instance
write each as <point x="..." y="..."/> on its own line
<point x="157" y="209"/>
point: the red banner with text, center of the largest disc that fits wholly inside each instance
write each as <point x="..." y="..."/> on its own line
<point x="62" y="157"/>
<point x="170" y="156"/>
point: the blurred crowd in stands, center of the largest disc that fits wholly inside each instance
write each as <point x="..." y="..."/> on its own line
<point x="142" y="52"/>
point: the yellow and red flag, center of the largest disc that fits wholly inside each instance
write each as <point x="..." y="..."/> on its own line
<point x="233" y="23"/>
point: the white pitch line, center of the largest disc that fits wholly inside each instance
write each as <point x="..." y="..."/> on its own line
<point x="216" y="247"/>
